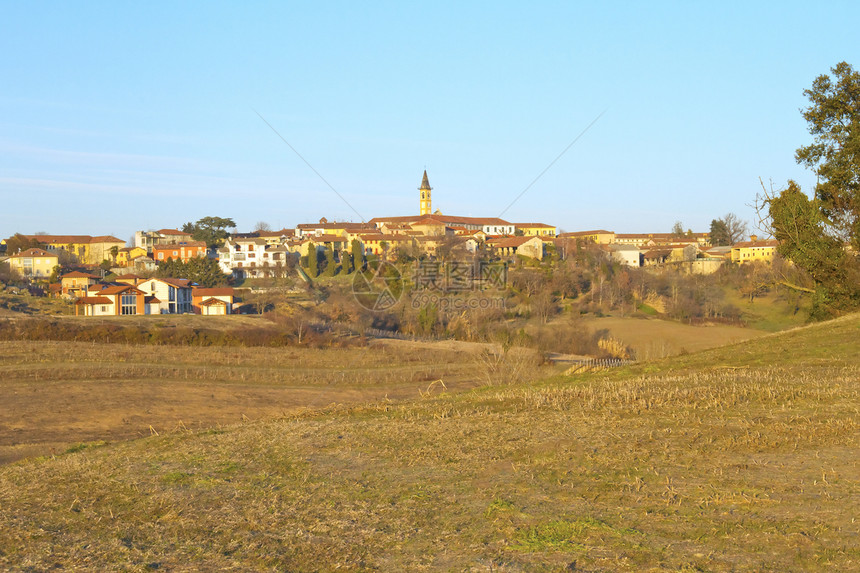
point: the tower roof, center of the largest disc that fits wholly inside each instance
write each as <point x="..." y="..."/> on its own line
<point x="425" y="183"/>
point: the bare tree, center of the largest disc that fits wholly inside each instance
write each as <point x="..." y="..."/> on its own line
<point x="262" y="226"/>
<point x="735" y="227"/>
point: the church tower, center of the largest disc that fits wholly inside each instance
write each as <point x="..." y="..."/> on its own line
<point x="425" y="195"/>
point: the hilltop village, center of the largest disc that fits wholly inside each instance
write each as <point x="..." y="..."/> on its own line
<point x="105" y="276"/>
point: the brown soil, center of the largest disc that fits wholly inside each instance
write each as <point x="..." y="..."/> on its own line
<point x="58" y="394"/>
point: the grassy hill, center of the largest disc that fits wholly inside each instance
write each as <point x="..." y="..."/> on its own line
<point x="741" y="458"/>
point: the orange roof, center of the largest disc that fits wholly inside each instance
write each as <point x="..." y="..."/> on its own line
<point x="429" y="220"/>
<point x="118" y="289"/>
<point x="79" y="239"/>
<point x="172" y="232"/>
<point x="345" y="226"/>
<point x="586" y="233"/>
<point x="447" y="219"/>
<point x="540" y="225"/>
<point x="34" y="253"/>
<point x="753" y="244"/>
<point x="79" y="275"/>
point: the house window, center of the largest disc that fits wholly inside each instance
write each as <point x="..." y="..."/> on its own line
<point x="128" y="304"/>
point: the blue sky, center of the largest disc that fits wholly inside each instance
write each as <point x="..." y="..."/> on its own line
<point x="120" y="116"/>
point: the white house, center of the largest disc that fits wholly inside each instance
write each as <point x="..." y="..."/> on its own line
<point x="629" y="255"/>
<point x="174" y="295"/>
<point x="252" y="257"/>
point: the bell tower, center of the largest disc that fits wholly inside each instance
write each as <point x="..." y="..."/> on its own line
<point x="425" y="195"/>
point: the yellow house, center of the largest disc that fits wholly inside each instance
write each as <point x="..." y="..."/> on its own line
<point x="754" y="250"/>
<point x="34" y="263"/>
<point x="126" y="255"/>
<point x="599" y="237"/>
<point x="531" y="247"/>
<point x="535" y="229"/>
<point x="341" y="229"/>
<point x="430" y="226"/>
<point x="76" y="283"/>
<point x="88" y="250"/>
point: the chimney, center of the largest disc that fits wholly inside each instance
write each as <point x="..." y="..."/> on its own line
<point x="753" y="238"/>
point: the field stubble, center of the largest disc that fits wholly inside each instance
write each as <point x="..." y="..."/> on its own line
<point x="736" y="459"/>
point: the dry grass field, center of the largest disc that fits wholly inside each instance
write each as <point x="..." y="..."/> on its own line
<point x="739" y="458"/>
<point x="58" y="394"/>
<point x="652" y="338"/>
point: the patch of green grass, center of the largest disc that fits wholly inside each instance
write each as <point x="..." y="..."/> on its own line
<point x="85" y="445"/>
<point x="557" y="534"/>
<point x="769" y="312"/>
<point x="499" y="505"/>
<point x="645" y="309"/>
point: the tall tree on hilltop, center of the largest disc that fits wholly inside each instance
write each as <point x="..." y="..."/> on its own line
<point x="727" y="230"/>
<point x="800" y="226"/>
<point x="833" y="119"/>
<point x="211" y="230"/>
<point x="719" y="233"/>
<point x="813" y="232"/>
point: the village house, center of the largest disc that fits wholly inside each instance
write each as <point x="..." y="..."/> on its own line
<point x="183" y="251"/>
<point x="655" y="239"/>
<point x="531" y="247"/>
<point x="382" y="244"/>
<point x="431" y="226"/>
<point x="325" y="228"/>
<point x="212" y="301"/>
<point x="252" y="258"/>
<point x="115" y="300"/>
<point x="534" y="230"/>
<point x="600" y="237"/>
<point x="489" y="225"/>
<point x="754" y="250"/>
<point x="76" y="283"/>
<point x="149" y="239"/>
<point x="33" y="263"/>
<point x="272" y="238"/>
<point x="84" y="248"/>
<point x="174" y="295"/>
<point x="629" y="255"/>
<point x="126" y="256"/>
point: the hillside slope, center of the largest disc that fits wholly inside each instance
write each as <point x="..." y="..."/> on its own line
<point x="741" y="458"/>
